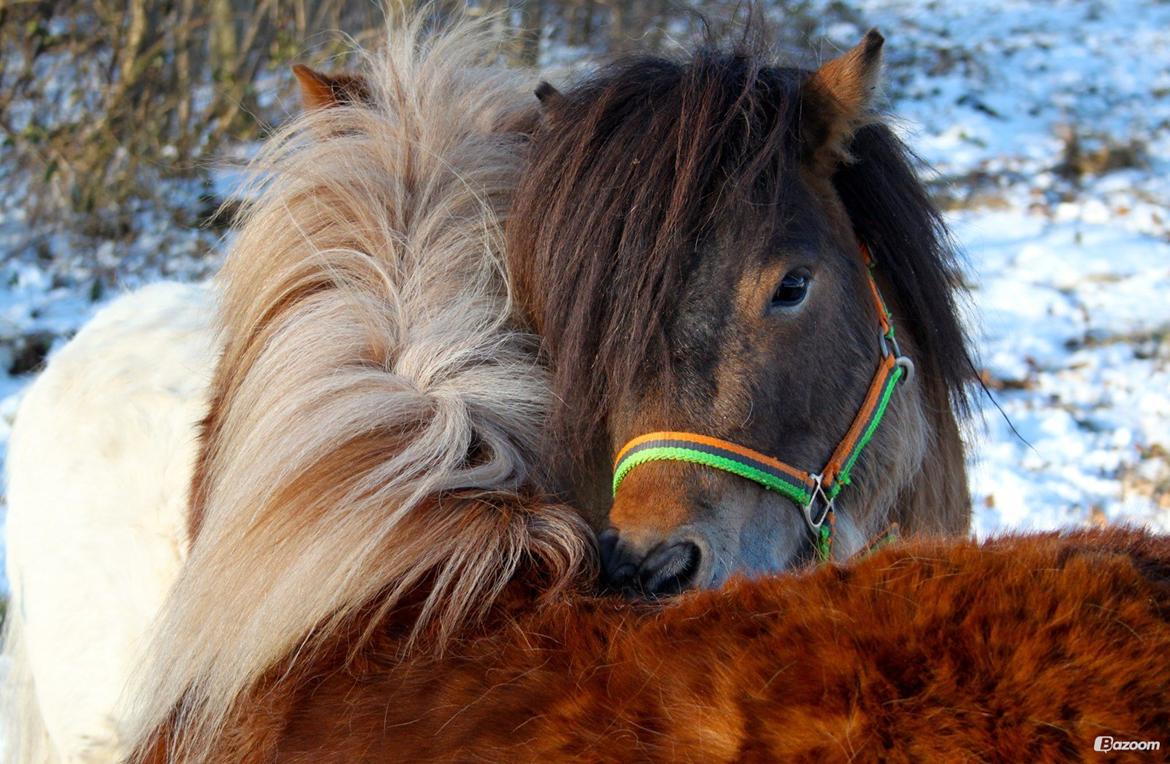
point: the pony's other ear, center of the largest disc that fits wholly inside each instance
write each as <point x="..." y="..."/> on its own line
<point x="837" y="100"/>
<point x="548" y="95"/>
<point x="321" y="91"/>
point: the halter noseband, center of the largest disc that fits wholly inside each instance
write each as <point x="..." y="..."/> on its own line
<point x="813" y="492"/>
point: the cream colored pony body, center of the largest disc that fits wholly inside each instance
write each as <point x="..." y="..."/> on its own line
<point x="370" y="365"/>
<point x="99" y="467"/>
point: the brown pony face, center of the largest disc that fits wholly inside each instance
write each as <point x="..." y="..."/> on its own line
<point x="684" y="245"/>
<point x="772" y="346"/>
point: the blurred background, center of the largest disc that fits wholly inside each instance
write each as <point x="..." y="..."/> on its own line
<point x="113" y="110"/>
<point x="1044" y="129"/>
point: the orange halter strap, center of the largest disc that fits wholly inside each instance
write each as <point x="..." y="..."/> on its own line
<point x="813" y="492"/>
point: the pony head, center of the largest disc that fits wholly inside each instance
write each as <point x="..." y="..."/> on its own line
<point x="688" y="242"/>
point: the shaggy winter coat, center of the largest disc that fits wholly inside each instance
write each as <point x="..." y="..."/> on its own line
<point x="1024" y="649"/>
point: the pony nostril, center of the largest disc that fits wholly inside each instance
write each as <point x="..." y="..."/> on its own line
<point x="671" y="570"/>
<point x="668" y="569"/>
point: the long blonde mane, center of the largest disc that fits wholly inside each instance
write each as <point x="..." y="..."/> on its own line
<point x="378" y="414"/>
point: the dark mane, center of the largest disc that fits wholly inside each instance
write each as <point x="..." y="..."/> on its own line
<point x="892" y="214"/>
<point x="628" y="173"/>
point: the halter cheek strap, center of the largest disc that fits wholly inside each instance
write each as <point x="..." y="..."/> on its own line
<point x="813" y="492"/>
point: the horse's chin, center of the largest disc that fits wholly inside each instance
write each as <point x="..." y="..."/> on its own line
<point x="769" y="538"/>
<point x="800" y="558"/>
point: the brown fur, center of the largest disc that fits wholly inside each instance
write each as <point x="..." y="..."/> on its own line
<point x="1021" y="649"/>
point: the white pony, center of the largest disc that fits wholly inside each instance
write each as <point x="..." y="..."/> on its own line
<point x="99" y="466"/>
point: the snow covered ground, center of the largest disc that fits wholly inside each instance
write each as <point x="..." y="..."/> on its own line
<point x="1075" y="324"/>
<point x="1048" y="125"/>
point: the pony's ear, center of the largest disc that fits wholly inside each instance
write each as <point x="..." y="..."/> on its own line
<point x="837" y="99"/>
<point x="548" y="95"/>
<point x="320" y="91"/>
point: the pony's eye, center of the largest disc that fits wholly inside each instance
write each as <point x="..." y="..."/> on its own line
<point x="792" y="289"/>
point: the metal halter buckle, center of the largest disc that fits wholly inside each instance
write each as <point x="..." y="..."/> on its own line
<point x="899" y="359"/>
<point x="818" y="490"/>
<point x="907" y="365"/>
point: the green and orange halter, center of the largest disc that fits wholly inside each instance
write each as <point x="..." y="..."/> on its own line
<point x="813" y="492"/>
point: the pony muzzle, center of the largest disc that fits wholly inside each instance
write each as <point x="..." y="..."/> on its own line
<point x="653" y="565"/>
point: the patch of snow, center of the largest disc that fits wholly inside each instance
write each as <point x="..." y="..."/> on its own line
<point x="1073" y="326"/>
